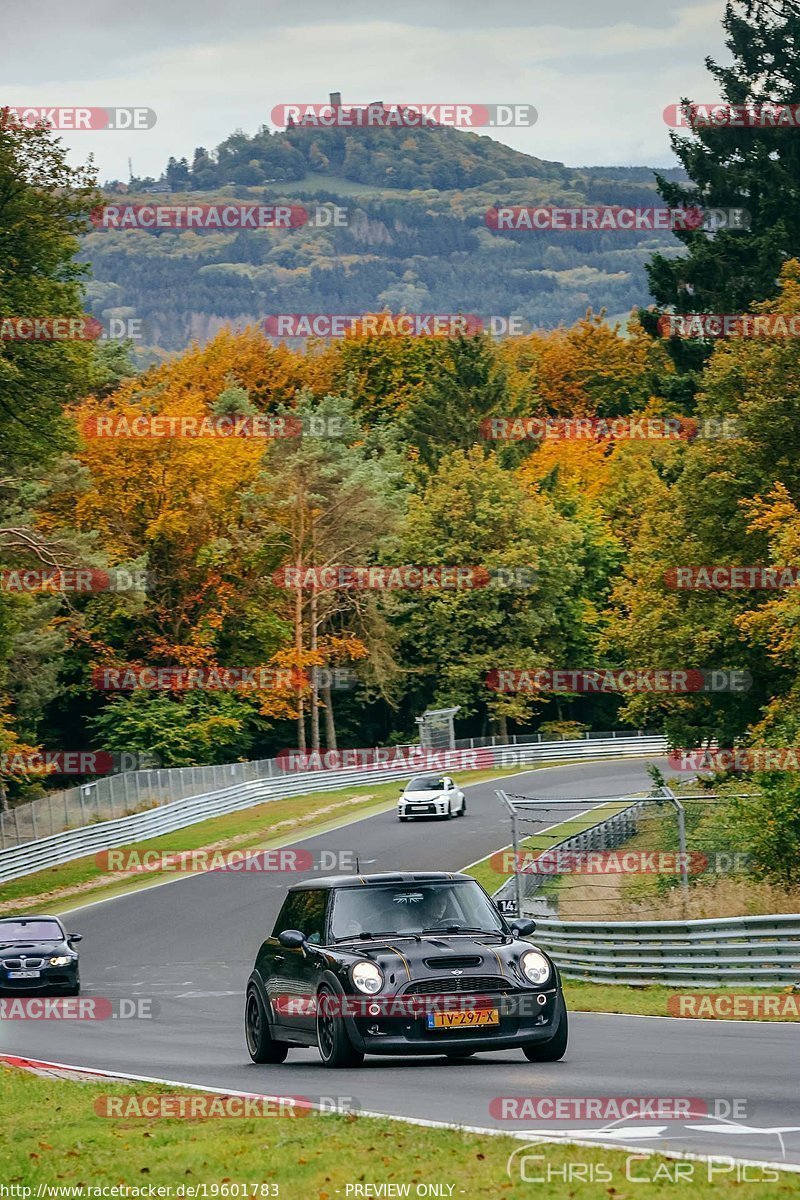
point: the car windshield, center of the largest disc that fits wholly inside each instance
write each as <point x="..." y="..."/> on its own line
<point x="30" y="931"/>
<point x="412" y="908"/>
<point x="426" y="783"/>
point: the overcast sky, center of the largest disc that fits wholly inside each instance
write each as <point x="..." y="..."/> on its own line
<point x="599" y="73"/>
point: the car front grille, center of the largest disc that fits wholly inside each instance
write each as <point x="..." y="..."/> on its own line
<point x="459" y="985"/>
<point x="450" y="960"/>
<point x="16" y="964"/>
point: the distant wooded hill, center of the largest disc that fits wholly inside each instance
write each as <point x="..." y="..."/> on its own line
<point x="415" y="238"/>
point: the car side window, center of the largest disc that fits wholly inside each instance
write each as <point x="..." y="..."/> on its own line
<point x="304" y="910"/>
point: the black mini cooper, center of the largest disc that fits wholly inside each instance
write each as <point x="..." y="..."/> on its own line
<point x="401" y="964"/>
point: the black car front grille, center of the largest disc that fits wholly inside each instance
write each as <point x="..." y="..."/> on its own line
<point x="16" y="964"/>
<point x="450" y="960"/>
<point x="460" y="985"/>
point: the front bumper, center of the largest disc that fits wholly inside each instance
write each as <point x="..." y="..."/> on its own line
<point x="50" y="979"/>
<point x="424" y="808"/>
<point x="526" y="1017"/>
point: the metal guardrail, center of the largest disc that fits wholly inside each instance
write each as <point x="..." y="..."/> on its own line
<point x="129" y="792"/>
<point x="757" y="951"/>
<point x="37" y="855"/>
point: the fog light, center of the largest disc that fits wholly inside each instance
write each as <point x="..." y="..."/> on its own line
<point x="374" y="1010"/>
<point x="541" y="999"/>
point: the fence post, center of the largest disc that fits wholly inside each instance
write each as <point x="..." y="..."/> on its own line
<point x="673" y="799"/>
<point x="515" y="844"/>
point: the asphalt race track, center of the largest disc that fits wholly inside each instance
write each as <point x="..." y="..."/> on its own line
<point x="190" y="945"/>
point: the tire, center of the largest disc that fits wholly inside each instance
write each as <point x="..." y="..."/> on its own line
<point x="556" y="1047"/>
<point x="449" y="814"/>
<point x="335" y="1048"/>
<point x="462" y="812"/>
<point x="261" y="1045"/>
<point x="74" y="989"/>
<point x="402" y="818"/>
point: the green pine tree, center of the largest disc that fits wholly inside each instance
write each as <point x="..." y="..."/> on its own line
<point x="751" y="168"/>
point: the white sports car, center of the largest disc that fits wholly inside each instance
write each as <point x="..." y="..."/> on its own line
<point x="431" y="796"/>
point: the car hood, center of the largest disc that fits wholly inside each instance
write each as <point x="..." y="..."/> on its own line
<point x="33" y="949"/>
<point x="421" y="797"/>
<point x="405" y="960"/>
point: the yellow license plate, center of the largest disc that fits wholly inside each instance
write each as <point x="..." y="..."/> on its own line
<point x="464" y="1020"/>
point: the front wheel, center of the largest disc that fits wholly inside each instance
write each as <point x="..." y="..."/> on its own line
<point x="335" y="1047"/>
<point x="463" y="810"/>
<point x="260" y="1043"/>
<point x="556" y="1047"/>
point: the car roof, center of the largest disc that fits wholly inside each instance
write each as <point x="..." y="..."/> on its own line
<point x="388" y="877"/>
<point x="28" y="916"/>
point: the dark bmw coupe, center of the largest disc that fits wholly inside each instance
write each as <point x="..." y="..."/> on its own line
<point x="37" y="954"/>
<point x="417" y="963"/>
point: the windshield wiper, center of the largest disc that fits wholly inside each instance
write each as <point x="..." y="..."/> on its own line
<point x="462" y="929"/>
<point x="388" y="933"/>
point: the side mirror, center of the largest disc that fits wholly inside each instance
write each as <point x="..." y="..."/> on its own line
<point x="292" y="939"/>
<point x="74" y="937"/>
<point x="522" y="926"/>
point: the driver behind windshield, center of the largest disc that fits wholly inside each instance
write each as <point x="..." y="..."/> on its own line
<point x="362" y="912"/>
<point x="436" y="909"/>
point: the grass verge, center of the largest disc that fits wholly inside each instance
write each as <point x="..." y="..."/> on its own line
<point x="653" y="1001"/>
<point x="54" y="1137"/>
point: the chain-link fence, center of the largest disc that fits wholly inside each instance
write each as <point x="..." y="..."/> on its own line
<point x="612" y="858"/>
<point x="121" y="795"/>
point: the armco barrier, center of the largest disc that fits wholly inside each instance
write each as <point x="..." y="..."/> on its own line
<point x="128" y="792"/>
<point x="32" y="856"/>
<point x="756" y="951"/>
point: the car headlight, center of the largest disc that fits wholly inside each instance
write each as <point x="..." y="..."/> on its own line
<point x="61" y="960"/>
<point x="367" y="977"/>
<point x="535" y="966"/>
